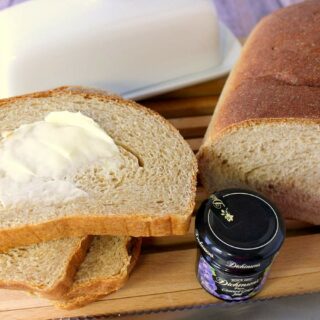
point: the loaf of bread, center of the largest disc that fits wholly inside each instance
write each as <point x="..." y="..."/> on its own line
<point x="73" y="272"/>
<point x="265" y="131"/>
<point x="153" y="194"/>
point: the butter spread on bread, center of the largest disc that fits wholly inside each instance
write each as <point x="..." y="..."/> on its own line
<point x="37" y="160"/>
<point x="152" y="193"/>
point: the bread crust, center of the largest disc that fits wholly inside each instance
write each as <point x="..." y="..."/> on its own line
<point x="66" y="280"/>
<point x="276" y="80"/>
<point x="76" y="226"/>
<point x="93" y="290"/>
<point x="264" y="84"/>
<point x="219" y="134"/>
<point x="134" y="224"/>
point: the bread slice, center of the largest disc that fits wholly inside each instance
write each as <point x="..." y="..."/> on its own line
<point x="153" y="194"/>
<point x="46" y="269"/>
<point x="105" y="269"/>
<point x="74" y="271"/>
<point x="265" y="131"/>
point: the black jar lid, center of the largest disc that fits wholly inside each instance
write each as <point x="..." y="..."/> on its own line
<point x="239" y="225"/>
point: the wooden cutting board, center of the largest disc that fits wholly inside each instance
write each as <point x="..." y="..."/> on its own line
<point x="165" y="275"/>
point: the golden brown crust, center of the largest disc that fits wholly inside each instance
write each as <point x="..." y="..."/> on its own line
<point x="278" y="73"/>
<point x="216" y="135"/>
<point x="104" y="286"/>
<point x="65" y="281"/>
<point x="276" y="80"/>
<point x="80" y="301"/>
<point x="285" y="46"/>
<point x="76" y="226"/>
<point x="134" y="224"/>
<point x="93" y="290"/>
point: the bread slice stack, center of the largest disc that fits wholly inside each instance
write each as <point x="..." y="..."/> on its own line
<point x="73" y="271"/>
<point x="77" y="251"/>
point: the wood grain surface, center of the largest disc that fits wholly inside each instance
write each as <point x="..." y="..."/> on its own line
<point x="166" y="279"/>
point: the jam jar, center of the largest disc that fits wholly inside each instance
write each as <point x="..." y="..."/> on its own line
<point x="238" y="232"/>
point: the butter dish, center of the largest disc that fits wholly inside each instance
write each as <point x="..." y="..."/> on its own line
<point x="133" y="48"/>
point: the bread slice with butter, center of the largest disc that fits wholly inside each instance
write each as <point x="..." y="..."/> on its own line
<point x="67" y="271"/>
<point x="146" y="187"/>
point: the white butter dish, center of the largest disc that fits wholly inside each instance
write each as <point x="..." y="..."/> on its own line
<point x="135" y="48"/>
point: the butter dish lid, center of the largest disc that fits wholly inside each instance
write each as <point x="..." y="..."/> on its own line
<point x="239" y="224"/>
<point x="133" y="48"/>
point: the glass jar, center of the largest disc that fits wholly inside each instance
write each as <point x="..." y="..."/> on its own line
<point x="238" y="233"/>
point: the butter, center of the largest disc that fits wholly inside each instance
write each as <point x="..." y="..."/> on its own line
<point x="36" y="159"/>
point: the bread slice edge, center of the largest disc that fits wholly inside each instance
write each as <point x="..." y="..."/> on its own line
<point x="98" y="288"/>
<point x="135" y="224"/>
<point x="66" y="279"/>
<point x="77" y="226"/>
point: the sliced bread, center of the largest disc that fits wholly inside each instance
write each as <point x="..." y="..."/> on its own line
<point x="46" y="269"/>
<point x="54" y="270"/>
<point x="105" y="269"/>
<point x="152" y="195"/>
<point x="265" y="131"/>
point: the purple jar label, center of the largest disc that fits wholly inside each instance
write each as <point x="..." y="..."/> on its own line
<point x="229" y="286"/>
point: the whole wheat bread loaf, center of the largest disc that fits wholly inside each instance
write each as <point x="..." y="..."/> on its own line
<point x="152" y="195"/>
<point x="265" y="131"/>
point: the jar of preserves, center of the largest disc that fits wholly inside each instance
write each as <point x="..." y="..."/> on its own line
<point x="238" y="232"/>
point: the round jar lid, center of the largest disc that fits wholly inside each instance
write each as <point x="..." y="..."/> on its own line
<point x="239" y="223"/>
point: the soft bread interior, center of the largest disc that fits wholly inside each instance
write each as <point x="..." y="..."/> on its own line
<point x="105" y="269"/>
<point x="279" y="159"/>
<point x="107" y="257"/>
<point x="157" y="176"/>
<point x="67" y="270"/>
<point x="41" y="267"/>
